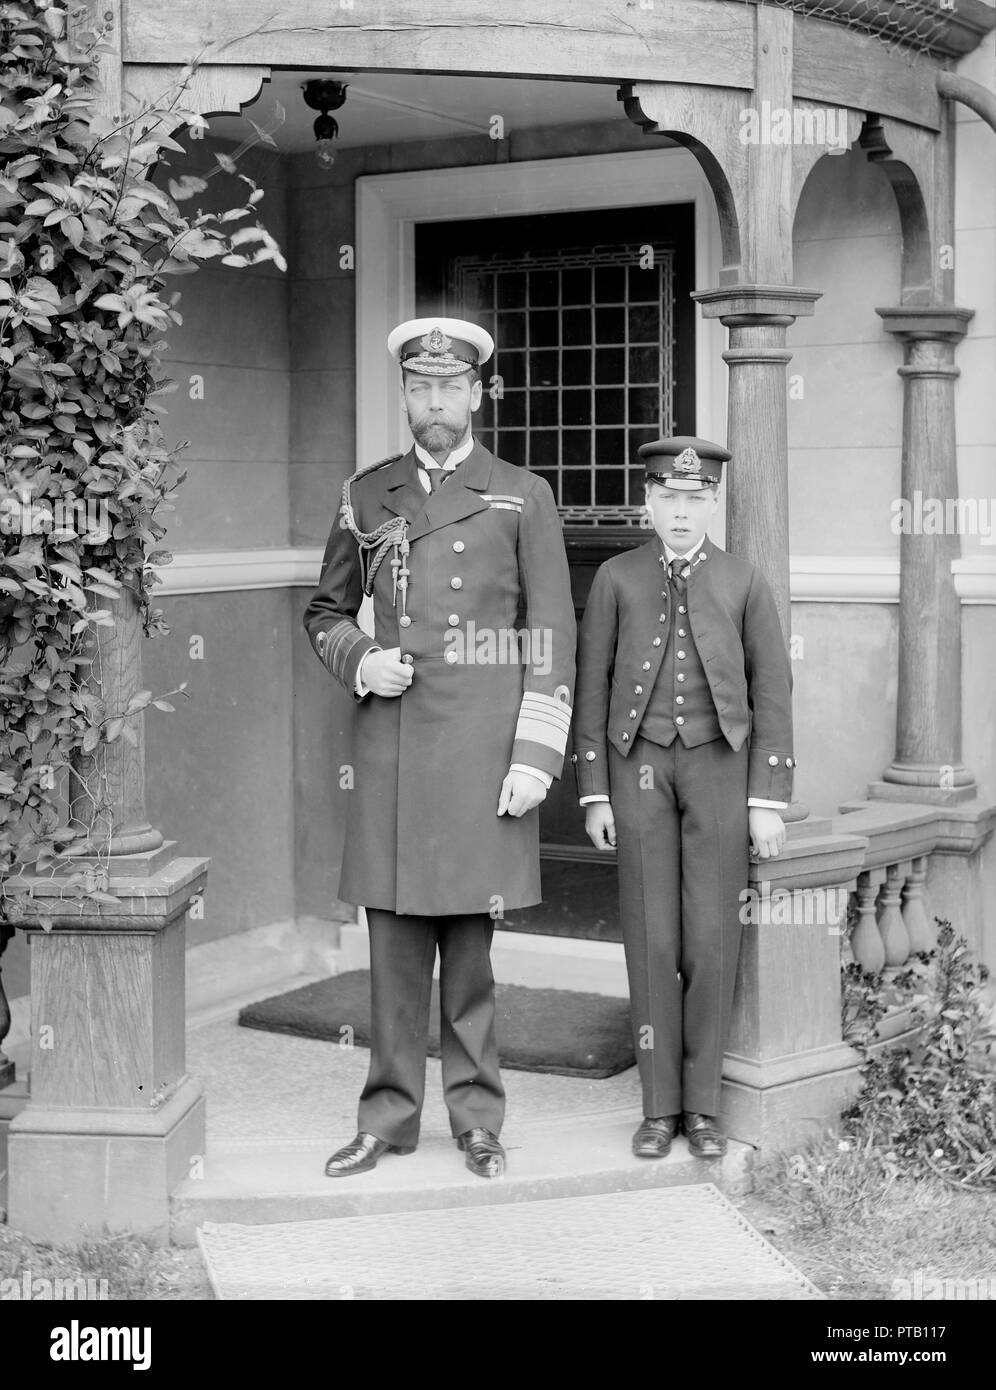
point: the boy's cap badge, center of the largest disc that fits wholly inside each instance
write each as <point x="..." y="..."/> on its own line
<point x="688" y="461"/>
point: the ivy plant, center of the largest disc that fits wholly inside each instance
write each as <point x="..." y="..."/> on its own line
<point x="87" y="245"/>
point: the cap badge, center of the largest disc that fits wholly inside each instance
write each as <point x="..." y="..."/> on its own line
<point x="688" y="461"/>
<point x="436" y="342"/>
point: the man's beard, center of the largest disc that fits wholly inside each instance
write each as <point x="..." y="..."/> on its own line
<point x="435" y="435"/>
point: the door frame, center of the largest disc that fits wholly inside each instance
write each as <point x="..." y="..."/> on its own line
<point x="389" y="205"/>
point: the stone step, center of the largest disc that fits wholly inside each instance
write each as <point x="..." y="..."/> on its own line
<point x="267" y="1181"/>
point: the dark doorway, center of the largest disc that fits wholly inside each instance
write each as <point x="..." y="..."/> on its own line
<point x="594" y="328"/>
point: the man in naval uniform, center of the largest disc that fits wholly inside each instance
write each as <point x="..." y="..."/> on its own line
<point x="457" y="738"/>
<point x="683" y="755"/>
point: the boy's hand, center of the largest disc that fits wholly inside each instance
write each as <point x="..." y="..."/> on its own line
<point x="384" y="673"/>
<point x="600" y="824"/>
<point x="767" y="831"/>
<point x="520" y="792"/>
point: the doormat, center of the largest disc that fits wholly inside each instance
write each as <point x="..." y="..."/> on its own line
<point x="685" y="1242"/>
<point x="550" y="1030"/>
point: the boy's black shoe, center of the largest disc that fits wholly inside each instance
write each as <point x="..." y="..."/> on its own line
<point x="653" y="1138"/>
<point x="360" y="1155"/>
<point x="705" y="1138"/>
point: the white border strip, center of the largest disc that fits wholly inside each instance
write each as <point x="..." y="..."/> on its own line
<point x="814" y="578"/>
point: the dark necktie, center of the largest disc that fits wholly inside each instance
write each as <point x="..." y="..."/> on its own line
<point x="437" y="476"/>
<point x="675" y="569"/>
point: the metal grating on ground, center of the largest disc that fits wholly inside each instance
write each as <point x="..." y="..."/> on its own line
<point x="666" y="1243"/>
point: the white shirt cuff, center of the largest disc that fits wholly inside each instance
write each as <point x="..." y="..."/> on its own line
<point x="543" y="777"/>
<point x="596" y="796"/>
<point x="768" y="805"/>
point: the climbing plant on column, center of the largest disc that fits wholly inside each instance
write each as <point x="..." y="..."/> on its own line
<point x="87" y="244"/>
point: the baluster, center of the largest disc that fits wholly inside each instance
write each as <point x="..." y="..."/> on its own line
<point x="918" y="926"/>
<point x="866" y="943"/>
<point x="895" y="938"/>
<point x="6" y="1065"/>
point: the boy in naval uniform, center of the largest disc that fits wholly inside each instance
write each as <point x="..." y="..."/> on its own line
<point x="683" y="755"/>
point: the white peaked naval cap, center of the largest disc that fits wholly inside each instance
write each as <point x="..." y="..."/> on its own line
<point x="440" y="347"/>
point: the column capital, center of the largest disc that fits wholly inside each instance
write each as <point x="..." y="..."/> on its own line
<point x="946" y="323"/>
<point x="775" y="304"/>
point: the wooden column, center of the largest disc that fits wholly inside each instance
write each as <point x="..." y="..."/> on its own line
<point x="757" y="434"/>
<point x="927" y="765"/>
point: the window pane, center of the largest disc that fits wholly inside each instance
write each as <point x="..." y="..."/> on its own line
<point x="644" y="285"/>
<point x="644" y="406"/>
<point x="644" y="324"/>
<point x="512" y="446"/>
<point x="577" y="327"/>
<point x="511" y="289"/>
<point x="610" y="448"/>
<point x="610" y="366"/>
<point x="543" y="287"/>
<point x="576" y="487"/>
<point x="577" y="446"/>
<point x="610" y="487"/>
<point x="543" y="450"/>
<point x="512" y="409"/>
<point x="609" y="406"/>
<point x="511" y="330"/>
<point x="575" y="286"/>
<point x="577" y="407"/>
<point x="544" y="330"/>
<point x="576" y="367"/>
<point x="544" y="369"/>
<point x="610" y="285"/>
<point x="511" y="367"/>
<point x="644" y="364"/>
<point x="610" y="325"/>
<point x="544" y="408"/>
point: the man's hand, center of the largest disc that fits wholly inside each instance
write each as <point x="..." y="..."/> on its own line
<point x="384" y="673"/>
<point x="600" y="824"/>
<point x="520" y="792"/>
<point x="767" y="831"/>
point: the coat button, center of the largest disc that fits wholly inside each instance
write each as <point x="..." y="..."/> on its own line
<point x="682" y="676"/>
<point x="404" y="621"/>
<point x="451" y="658"/>
<point x="409" y="660"/>
<point x="456" y="582"/>
<point x="574" y="757"/>
<point x="662" y="618"/>
<point x="589" y="756"/>
<point x="637" y="689"/>
<point x="632" y="714"/>
<point x="788" y="762"/>
<point x="680" y="656"/>
<point x="458" y="546"/>
<point x="624" y="737"/>
<point x="679" y="699"/>
<point x="656" y="642"/>
<point x="646" y="666"/>
<point x="772" y="761"/>
<point x="682" y="608"/>
<point x="680" y="719"/>
<point x="682" y="632"/>
<point x="453" y="619"/>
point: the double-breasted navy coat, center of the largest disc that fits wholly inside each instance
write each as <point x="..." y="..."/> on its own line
<point x="487" y="564"/>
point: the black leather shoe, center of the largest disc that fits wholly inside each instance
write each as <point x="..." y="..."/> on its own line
<point x="653" y="1138"/>
<point x="705" y="1138"/>
<point x="360" y="1155"/>
<point x="485" y="1156"/>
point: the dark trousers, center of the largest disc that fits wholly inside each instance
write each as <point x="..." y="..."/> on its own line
<point x="682" y="845"/>
<point x="402" y="956"/>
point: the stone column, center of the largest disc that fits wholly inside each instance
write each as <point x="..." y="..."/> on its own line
<point x="113" y="1121"/>
<point x="927" y="765"/>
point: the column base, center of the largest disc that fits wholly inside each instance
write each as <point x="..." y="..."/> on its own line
<point x="80" y="1173"/>
<point x="784" y="1101"/>
<point x="934" y="783"/>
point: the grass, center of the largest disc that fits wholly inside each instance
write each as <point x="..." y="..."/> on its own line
<point x="132" y="1266"/>
<point x="856" y="1225"/>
